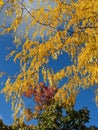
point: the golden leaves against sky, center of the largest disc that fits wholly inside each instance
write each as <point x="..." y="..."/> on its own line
<point x="70" y="28"/>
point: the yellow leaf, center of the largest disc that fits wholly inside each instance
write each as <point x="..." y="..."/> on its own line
<point x="10" y="55"/>
<point x="1" y="3"/>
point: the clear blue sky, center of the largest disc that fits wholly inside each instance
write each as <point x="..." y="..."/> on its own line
<point x="85" y="98"/>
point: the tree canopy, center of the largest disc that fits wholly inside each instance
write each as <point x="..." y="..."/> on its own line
<point x="49" y="28"/>
<point x="54" y="119"/>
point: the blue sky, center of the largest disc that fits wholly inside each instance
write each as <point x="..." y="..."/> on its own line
<point x="85" y="97"/>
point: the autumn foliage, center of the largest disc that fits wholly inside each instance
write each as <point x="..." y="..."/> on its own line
<point x="43" y="95"/>
<point x="43" y="31"/>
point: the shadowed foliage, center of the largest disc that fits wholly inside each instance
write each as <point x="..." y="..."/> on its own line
<point x="53" y="118"/>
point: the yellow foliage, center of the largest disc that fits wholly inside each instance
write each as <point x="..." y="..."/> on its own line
<point x="1" y="3"/>
<point x="50" y="28"/>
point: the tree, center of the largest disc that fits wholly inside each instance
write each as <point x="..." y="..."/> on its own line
<point x="53" y="118"/>
<point x="52" y="28"/>
<point x="14" y="126"/>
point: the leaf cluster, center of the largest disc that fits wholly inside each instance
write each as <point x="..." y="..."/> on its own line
<point x="46" y="29"/>
<point x="53" y="118"/>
